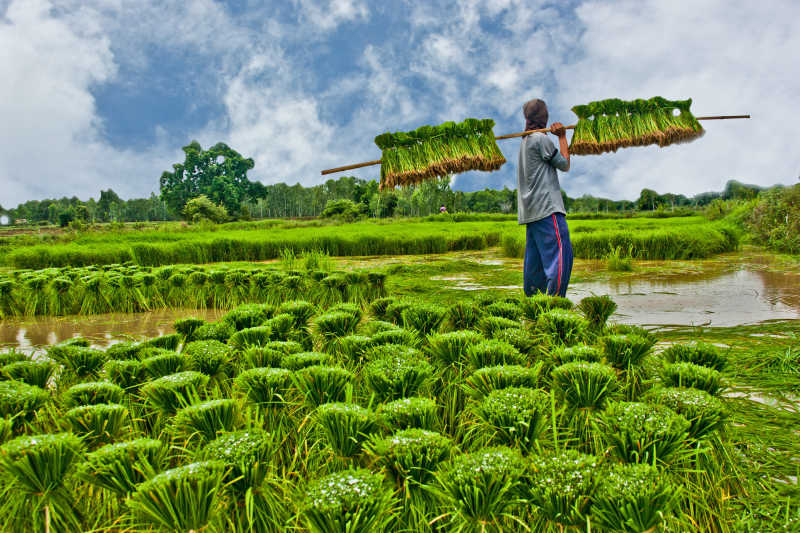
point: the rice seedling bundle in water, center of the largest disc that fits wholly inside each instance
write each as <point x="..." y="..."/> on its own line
<point x="121" y="466"/>
<point x="704" y="412"/>
<point x="36" y="373"/>
<point x="164" y="362"/>
<point x="247" y="454"/>
<point x="170" y="393"/>
<point x="408" y="413"/>
<point x="561" y="485"/>
<point x="126" y="374"/>
<point x="643" y="433"/>
<point x="18" y="399"/>
<point x="484" y="381"/>
<point x="411" y="157"/>
<point x="411" y="456"/>
<point x="607" y="125"/>
<point x="597" y="309"/>
<point x="694" y="376"/>
<point x="397" y="376"/>
<point x="562" y="327"/>
<point x="345" y="426"/>
<point x="207" y="419"/>
<point x="699" y="353"/>
<point x="267" y="387"/>
<point x="323" y="384"/>
<point x="626" y="351"/>
<point x="516" y="415"/>
<point x="493" y="353"/>
<point x="450" y="348"/>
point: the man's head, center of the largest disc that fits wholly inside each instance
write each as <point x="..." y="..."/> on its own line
<point x="535" y="112"/>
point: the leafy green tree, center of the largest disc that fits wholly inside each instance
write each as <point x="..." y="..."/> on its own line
<point x="202" y="208"/>
<point x="220" y="173"/>
<point x="108" y="199"/>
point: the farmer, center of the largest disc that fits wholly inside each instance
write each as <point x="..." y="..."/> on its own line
<point x="548" y="251"/>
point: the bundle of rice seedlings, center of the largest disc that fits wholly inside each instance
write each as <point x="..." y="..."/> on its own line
<point x="484" y="381"/>
<point x="562" y="327"/>
<point x="355" y="501"/>
<point x="704" y="412"/>
<point x="411" y="157"/>
<point x="36" y="373"/>
<point x="372" y="327"/>
<point x="634" y="498"/>
<point x="260" y="356"/>
<point x="212" y="358"/>
<point x="334" y="288"/>
<point x="348" y="307"/>
<point x="580" y="352"/>
<point x="218" y="331"/>
<point x="597" y="310"/>
<point x="248" y="456"/>
<point x="98" y="423"/>
<point x="266" y="387"/>
<point x="123" y="350"/>
<point x="583" y="139"/>
<point x="694" y="376"/>
<point x="187" y="326"/>
<point x="20" y="400"/>
<point x="491" y="325"/>
<point x="126" y="374"/>
<point x="92" y="393"/>
<point x="37" y="466"/>
<point x="537" y="304"/>
<point x="627" y="329"/>
<point x="560" y="489"/>
<point x="6" y="358"/>
<point x="396" y="376"/>
<point x="285" y="347"/>
<point x="493" y="353"/>
<point x="163" y="363"/>
<point x="394" y="311"/>
<point x="483" y="490"/>
<point x="699" y="353"/>
<point x="6" y="429"/>
<point x="379" y="306"/>
<point x="345" y="426"/>
<point x="81" y="361"/>
<point x="464" y="315"/>
<point x="643" y="433"/>
<point x="300" y="310"/>
<point x="450" y="349"/>
<point x="517" y="416"/>
<point x="165" y="342"/>
<point x="281" y="326"/>
<point x="376" y="283"/>
<point x="400" y="337"/>
<point x="120" y="467"/>
<point x="411" y="456"/>
<point x="181" y="499"/>
<point x="247" y="337"/>
<point x="408" y="413"/>
<point x="519" y="338"/>
<point x="323" y="384"/>
<point x="300" y="360"/>
<point x="333" y="325"/>
<point x="353" y="348"/>
<point x="170" y="393"/>
<point x="507" y="310"/>
<point x="584" y="385"/>
<point x="206" y="420"/>
<point x="626" y="351"/>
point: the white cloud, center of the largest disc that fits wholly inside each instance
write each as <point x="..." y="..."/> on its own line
<point x="329" y="14"/>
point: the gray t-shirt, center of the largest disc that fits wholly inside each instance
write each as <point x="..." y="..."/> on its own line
<point x="538" y="190"/>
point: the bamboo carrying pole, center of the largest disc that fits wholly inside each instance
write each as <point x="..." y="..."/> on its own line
<point x="508" y="136"/>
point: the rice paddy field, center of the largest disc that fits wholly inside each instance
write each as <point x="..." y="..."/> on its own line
<point x="398" y="382"/>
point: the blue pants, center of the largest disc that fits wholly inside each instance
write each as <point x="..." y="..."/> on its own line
<point x="548" y="256"/>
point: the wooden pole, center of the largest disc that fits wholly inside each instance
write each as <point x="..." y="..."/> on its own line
<point x="508" y="136"/>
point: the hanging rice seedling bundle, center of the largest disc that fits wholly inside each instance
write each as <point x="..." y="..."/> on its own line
<point x="345" y="426"/>
<point x="560" y="489"/>
<point x="121" y="466"/>
<point x="410" y="456"/>
<point x="408" y="413"/>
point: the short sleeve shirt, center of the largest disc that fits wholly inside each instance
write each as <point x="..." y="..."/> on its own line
<point x="538" y="190"/>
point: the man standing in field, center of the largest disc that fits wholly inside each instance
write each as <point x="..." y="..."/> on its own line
<point x="548" y="250"/>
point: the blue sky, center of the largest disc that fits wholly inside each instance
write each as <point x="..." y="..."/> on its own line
<point x="103" y="93"/>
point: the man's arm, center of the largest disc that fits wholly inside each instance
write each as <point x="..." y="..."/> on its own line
<point x="557" y="128"/>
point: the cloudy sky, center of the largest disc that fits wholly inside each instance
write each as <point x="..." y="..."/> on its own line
<point x="103" y="93"/>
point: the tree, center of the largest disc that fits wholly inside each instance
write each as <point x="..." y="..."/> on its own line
<point x="202" y="208"/>
<point x="107" y="199"/>
<point x="220" y="173"/>
<point x="648" y="200"/>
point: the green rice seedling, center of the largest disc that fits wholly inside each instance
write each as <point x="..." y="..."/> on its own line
<point x="165" y="342"/>
<point x="537" y="304"/>
<point x="301" y="311"/>
<point x="699" y="353"/>
<point x="206" y="420"/>
<point x="516" y="416"/>
<point x="121" y="466"/>
<point x="410" y="456"/>
<point x="281" y="326"/>
<point x="123" y="350"/>
<point x="164" y="363"/>
<point x="187" y="326"/>
<point x="6" y="429"/>
<point x="170" y="393"/>
<point x="704" y="412"/>
<point x="20" y="400"/>
<point x="642" y="433"/>
<point x="347" y="307"/>
<point x="181" y="499"/>
<point x="377" y="284"/>
<point x="248" y="456"/>
<point x="694" y="376"/>
<point x="482" y="490"/>
<point x="345" y="426"/>
<point x="99" y="423"/>
<point x="394" y="311"/>
<point x="285" y="347"/>
<point x="519" y="338"/>
<point x="126" y="374"/>
<point x="423" y="318"/>
<point x="562" y="327"/>
<point x="217" y="331"/>
<point x="401" y="337"/>
<point x="634" y="498"/>
<point x="301" y="360"/>
<point x="35" y="468"/>
<point x="486" y="380"/>
<point x="82" y="362"/>
<point x="597" y="310"/>
<point x="580" y="352"/>
<point x="36" y="373"/>
<point x="290" y="287"/>
<point x="619" y="260"/>
<point x="92" y="393"/>
<point x="379" y="306"/>
<point x="396" y="376"/>
<point x="450" y="349"/>
<point x="212" y="358"/>
<point x="627" y="329"/>
<point x="507" y="310"/>
<point x="7" y="358"/>
<point x="464" y="315"/>
<point x="266" y="387"/>
<point x="57" y="300"/>
<point x="584" y="385"/>
<point x="560" y="489"/>
<point x="408" y="413"/>
<point x="323" y="384"/>
<point x="376" y="326"/>
<point x="248" y="337"/>
<point x="493" y="353"/>
<point x="626" y="351"/>
<point x="331" y="326"/>
<point x="237" y="283"/>
<point x="355" y="501"/>
<point x="491" y="325"/>
<point x="260" y="356"/>
<point x="353" y="348"/>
